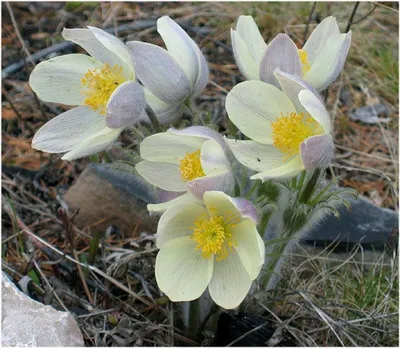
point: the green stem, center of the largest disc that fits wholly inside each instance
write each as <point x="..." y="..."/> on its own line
<point x="302" y="178"/>
<point x="153" y="119"/>
<point x="310" y="187"/>
<point x="277" y="254"/>
<point x="194" y="318"/>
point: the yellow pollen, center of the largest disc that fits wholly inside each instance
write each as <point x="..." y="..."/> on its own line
<point x="288" y="132"/>
<point x="304" y="61"/>
<point x="213" y="236"/>
<point x="98" y="85"/>
<point x="190" y="166"/>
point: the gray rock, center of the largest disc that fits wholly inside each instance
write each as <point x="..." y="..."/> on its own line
<point x="369" y="114"/>
<point x="365" y="223"/>
<point x="28" y="323"/>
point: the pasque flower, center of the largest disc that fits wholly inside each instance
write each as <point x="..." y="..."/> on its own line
<point x="215" y="246"/>
<point x="318" y="62"/>
<point x="290" y="129"/>
<point x="103" y="86"/>
<point x="188" y="161"/>
<point x="171" y="77"/>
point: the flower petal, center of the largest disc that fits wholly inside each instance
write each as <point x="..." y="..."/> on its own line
<point x="178" y="221"/>
<point x="213" y="159"/>
<point x="316" y="109"/>
<point x="291" y="86"/>
<point x="201" y="132"/>
<point x="159" y="72"/>
<point x="317" y="151"/>
<point x="58" y="80"/>
<point x="166" y="176"/>
<point x="88" y="41"/>
<point x="248" y="247"/>
<point x="115" y="45"/>
<point x="165" y="113"/>
<point x="253" y="105"/>
<point x="319" y="37"/>
<point x="287" y="170"/>
<point x="169" y="148"/>
<point x="185" y="51"/>
<point x="256" y="156"/>
<point x="247" y="66"/>
<point x="126" y="106"/>
<point x="223" y="182"/>
<point x="93" y="144"/>
<point x="329" y="63"/>
<point x="65" y="131"/>
<point x="250" y="34"/>
<point x="183" y="198"/>
<point x="281" y="53"/>
<point x="182" y="273"/>
<point x="230" y="282"/>
<point x="229" y="206"/>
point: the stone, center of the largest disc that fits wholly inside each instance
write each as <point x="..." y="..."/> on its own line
<point x="369" y="114"/>
<point x="365" y="223"/>
<point x="105" y="198"/>
<point x="28" y="323"/>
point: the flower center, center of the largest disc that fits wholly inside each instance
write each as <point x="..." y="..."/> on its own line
<point x="213" y="236"/>
<point x="98" y="85"/>
<point x="190" y="166"/>
<point x="288" y="132"/>
<point x="304" y="61"/>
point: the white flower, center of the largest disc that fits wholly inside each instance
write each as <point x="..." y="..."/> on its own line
<point x="171" y="78"/>
<point x="188" y="161"/>
<point x="216" y="246"/>
<point x="319" y="62"/>
<point x="103" y="86"/>
<point x="290" y="129"/>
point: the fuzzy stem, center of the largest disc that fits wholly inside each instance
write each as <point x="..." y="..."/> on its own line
<point x="310" y="187"/>
<point x="194" y="321"/>
<point x="153" y="119"/>
<point x="272" y="266"/>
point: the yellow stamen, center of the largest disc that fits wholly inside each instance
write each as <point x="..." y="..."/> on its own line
<point x="213" y="236"/>
<point x="98" y="85"/>
<point x="304" y="61"/>
<point x="190" y="166"/>
<point x="288" y="132"/>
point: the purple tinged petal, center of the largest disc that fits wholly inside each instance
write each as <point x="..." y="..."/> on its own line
<point x="317" y="151"/>
<point x="246" y="208"/>
<point x="126" y="106"/>
<point x="159" y="72"/>
<point x="292" y="85"/>
<point x="202" y="132"/>
<point x="224" y="182"/>
<point x="281" y="53"/>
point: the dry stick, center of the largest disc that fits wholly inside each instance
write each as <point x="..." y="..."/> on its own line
<point x="25" y="229"/>
<point x="48" y="285"/>
<point x="350" y="22"/>
<point x="363" y="17"/>
<point x="308" y="22"/>
<point x="21" y="40"/>
<point x="92" y="268"/>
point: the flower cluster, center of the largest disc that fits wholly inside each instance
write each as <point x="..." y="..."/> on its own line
<point x="208" y="235"/>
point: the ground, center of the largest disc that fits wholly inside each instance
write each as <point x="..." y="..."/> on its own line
<point x="366" y="159"/>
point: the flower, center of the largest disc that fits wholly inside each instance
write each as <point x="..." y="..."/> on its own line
<point x="216" y="246"/>
<point x="188" y="161"/>
<point x="318" y="62"/>
<point x="290" y="129"/>
<point x="103" y="86"/>
<point x="171" y="78"/>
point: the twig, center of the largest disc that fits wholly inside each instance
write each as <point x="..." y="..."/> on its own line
<point x="350" y="22"/>
<point x="247" y="333"/>
<point x="48" y="285"/>
<point x="21" y="40"/>
<point x="309" y="21"/>
<point x="363" y="17"/>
